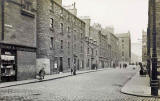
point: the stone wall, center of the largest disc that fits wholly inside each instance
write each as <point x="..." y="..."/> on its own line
<point x="59" y="35"/>
<point x="26" y="65"/>
<point x="18" y="28"/>
<point x="20" y="34"/>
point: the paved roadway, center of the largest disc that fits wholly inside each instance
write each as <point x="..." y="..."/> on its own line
<point x="96" y="86"/>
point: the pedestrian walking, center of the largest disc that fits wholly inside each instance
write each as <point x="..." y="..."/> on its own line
<point x="74" y="69"/>
<point x="42" y="73"/>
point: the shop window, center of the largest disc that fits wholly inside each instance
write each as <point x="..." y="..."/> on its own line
<point x="8" y="65"/>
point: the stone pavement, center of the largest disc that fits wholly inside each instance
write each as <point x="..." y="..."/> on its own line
<point x="138" y="86"/>
<point x="47" y="78"/>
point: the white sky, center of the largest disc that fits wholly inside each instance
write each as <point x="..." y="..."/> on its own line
<point x="124" y="15"/>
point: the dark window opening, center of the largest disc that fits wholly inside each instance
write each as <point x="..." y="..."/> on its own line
<point x="51" y="22"/>
<point x="61" y="44"/>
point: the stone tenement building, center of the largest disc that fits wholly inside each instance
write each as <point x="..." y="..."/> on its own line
<point x="17" y="39"/>
<point x="38" y="34"/>
<point x="114" y="49"/>
<point x="103" y="50"/>
<point x="91" y="45"/>
<point x="60" y="37"/>
<point x="95" y="46"/>
<point x="144" y="47"/>
<point x="91" y="53"/>
<point x="125" y="47"/>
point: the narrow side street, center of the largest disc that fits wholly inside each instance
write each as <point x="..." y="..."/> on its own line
<point x="96" y="86"/>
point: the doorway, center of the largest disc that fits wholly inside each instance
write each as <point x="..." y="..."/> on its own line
<point x="61" y="65"/>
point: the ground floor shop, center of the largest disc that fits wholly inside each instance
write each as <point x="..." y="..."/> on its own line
<point x="17" y="62"/>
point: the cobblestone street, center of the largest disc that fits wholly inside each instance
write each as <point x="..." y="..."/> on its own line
<point x="96" y="86"/>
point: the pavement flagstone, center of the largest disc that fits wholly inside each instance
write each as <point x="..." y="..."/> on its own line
<point x="138" y="86"/>
<point x="47" y="78"/>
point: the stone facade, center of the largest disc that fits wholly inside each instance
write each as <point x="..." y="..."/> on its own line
<point x="42" y="33"/>
<point x="103" y="46"/>
<point x="114" y="49"/>
<point x="17" y="38"/>
<point x="125" y="47"/>
<point x="60" y="36"/>
<point x="94" y="37"/>
<point x="91" y="53"/>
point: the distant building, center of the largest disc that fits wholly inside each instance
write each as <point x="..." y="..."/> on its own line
<point x="91" y="53"/>
<point x="144" y="46"/>
<point x="135" y="58"/>
<point x="125" y="47"/>
<point x="87" y="21"/>
<point x="72" y="8"/>
<point x="103" y="58"/>
<point x="109" y="29"/>
<point x="113" y="49"/>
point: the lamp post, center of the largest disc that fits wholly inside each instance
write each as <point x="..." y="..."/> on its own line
<point x="148" y="39"/>
<point x="154" y="80"/>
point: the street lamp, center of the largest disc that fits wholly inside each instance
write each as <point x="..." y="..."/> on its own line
<point x="154" y="80"/>
<point x="148" y="39"/>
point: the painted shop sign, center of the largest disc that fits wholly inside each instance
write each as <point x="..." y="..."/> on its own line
<point x="17" y="47"/>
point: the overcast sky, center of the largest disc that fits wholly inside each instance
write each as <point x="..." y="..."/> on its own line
<point x="124" y="15"/>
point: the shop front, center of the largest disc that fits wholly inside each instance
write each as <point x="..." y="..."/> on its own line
<point x="17" y="62"/>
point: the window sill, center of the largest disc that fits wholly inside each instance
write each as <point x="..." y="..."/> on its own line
<point x="27" y="13"/>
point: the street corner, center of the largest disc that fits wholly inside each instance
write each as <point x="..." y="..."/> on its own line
<point x="137" y="86"/>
